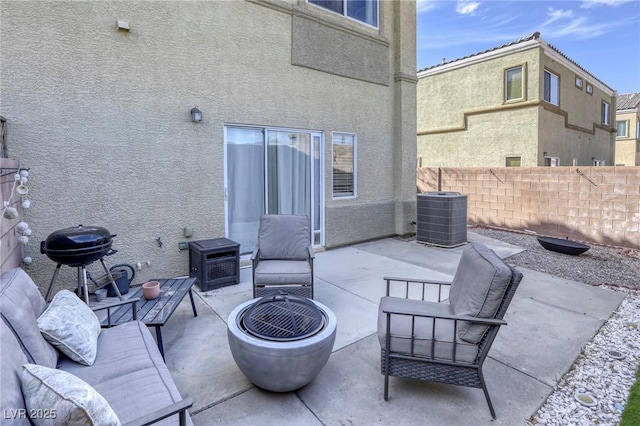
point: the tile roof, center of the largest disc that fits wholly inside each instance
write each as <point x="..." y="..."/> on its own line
<point x="530" y="37"/>
<point x="628" y="101"/>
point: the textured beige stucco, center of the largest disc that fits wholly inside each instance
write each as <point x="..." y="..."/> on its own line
<point x="627" y="148"/>
<point x="101" y="116"/>
<point x="464" y="120"/>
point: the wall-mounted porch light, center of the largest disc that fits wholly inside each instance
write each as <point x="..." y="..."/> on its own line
<point x="196" y="115"/>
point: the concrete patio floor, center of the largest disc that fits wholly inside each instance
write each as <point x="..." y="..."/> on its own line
<point x="549" y="322"/>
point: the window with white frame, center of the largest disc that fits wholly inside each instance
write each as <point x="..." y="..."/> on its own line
<point x="343" y="164"/>
<point x="551" y="161"/>
<point x="604" y="114"/>
<point x="361" y="10"/>
<point x="513" y="78"/>
<point x="513" y="161"/>
<point x="551" y="88"/>
<point x="578" y="82"/>
<point x="622" y="129"/>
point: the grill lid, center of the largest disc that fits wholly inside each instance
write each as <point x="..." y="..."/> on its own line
<point x="283" y="317"/>
<point x="78" y="245"/>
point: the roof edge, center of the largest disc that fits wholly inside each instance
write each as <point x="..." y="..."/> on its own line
<point x="530" y="41"/>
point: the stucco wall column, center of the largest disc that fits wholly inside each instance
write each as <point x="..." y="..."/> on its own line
<point x="405" y="131"/>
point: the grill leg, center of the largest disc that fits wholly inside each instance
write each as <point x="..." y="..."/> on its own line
<point x="113" y="283"/>
<point x="53" y="280"/>
<point x="82" y="279"/>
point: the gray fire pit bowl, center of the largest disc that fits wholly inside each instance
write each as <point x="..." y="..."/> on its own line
<point x="280" y="366"/>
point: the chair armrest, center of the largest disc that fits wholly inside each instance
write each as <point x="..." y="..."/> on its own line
<point x="312" y="254"/>
<point x="134" y="308"/>
<point x="163" y="413"/>
<point x="254" y="255"/>
<point x="475" y="320"/>
<point x="408" y="281"/>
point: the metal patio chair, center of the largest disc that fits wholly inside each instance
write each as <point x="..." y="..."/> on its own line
<point x="446" y="341"/>
<point x="283" y="260"/>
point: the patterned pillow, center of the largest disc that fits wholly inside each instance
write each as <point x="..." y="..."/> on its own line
<point x="64" y="397"/>
<point x="72" y="327"/>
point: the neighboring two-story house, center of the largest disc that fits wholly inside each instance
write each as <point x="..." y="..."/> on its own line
<point x="628" y="129"/>
<point x="524" y="103"/>
<point x="170" y="121"/>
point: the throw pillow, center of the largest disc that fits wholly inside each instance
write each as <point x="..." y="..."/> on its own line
<point x="71" y="326"/>
<point x="64" y="397"/>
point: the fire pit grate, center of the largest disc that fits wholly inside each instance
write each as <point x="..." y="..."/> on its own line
<point x="283" y="317"/>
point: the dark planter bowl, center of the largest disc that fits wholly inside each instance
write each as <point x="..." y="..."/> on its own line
<point x="563" y="246"/>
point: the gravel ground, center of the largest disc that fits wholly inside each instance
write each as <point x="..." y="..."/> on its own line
<point x="600" y="265"/>
<point x="605" y="370"/>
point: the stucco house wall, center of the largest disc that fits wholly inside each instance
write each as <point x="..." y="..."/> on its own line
<point x="465" y="121"/>
<point x="101" y="115"/>
<point x="574" y="128"/>
<point x="628" y="146"/>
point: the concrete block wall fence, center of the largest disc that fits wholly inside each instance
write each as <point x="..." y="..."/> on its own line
<point x="592" y="204"/>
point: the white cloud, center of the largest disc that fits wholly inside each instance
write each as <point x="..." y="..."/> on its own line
<point x="564" y="24"/>
<point x="557" y="15"/>
<point x="593" y="3"/>
<point x="423" y="6"/>
<point x="465" y="7"/>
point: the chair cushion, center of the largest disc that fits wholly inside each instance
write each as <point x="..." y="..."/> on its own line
<point x="71" y="326"/>
<point x="424" y="339"/>
<point x="282" y="272"/>
<point x="21" y="304"/>
<point x="75" y="402"/>
<point x="478" y="288"/>
<point x="284" y="237"/>
<point x="129" y="368"/>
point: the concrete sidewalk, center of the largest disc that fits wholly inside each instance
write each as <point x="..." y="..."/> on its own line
<point x="550" y="320"/>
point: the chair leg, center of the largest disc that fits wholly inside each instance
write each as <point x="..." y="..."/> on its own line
<point x="386" y="375"/>
<point x="486" y="394"/>
<point x="387" y="359"/>
<point x="386" y="386"/>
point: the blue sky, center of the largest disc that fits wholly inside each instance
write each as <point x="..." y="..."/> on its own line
<point x="603" y="36"/>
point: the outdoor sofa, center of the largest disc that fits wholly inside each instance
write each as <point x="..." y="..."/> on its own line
<point x="38" y="380"/>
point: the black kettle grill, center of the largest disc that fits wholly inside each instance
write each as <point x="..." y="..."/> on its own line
<point x="78" y="247"/>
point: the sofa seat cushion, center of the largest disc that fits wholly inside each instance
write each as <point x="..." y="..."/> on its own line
<point x="64" y="397"/>
<point x="71" y="326"/>
<point x="478" y="288"/>
<point x="129" y="372"/>
<point x="20" y="305"/>
<point x="12" y="358"/>
<point x="279" y="272"/>
<point x="418" y="338"/>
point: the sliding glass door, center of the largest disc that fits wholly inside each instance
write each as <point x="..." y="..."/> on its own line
<point x="273" y="171"/>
